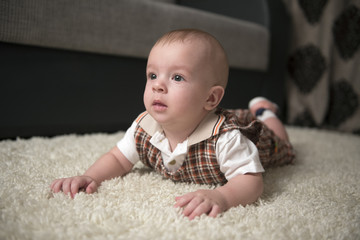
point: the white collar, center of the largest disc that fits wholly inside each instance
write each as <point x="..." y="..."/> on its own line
<point x="208" y="127"/>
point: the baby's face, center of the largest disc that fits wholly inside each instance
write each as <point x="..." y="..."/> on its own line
<point x="179" y="78"/>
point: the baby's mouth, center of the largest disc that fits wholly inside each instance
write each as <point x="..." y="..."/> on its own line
<point x="159" y="105"/>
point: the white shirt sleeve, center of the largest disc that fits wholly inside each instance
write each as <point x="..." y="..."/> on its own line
<point x="127" y="144"/>
<point x="236" y="155"/>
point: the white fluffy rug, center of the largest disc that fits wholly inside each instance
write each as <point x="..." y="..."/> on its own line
<point x="317" y="198"/>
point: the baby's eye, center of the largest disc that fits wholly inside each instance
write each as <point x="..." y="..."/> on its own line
<point x="152" y="76"/>
<point x="178" y="78"/>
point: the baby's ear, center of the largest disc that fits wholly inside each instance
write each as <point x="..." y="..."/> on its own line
<point x="216" y="93"/>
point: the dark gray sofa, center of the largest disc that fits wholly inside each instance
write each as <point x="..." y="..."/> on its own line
<point x="79" y="66"/>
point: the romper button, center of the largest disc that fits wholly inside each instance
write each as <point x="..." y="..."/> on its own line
<point x="172" y="162"/>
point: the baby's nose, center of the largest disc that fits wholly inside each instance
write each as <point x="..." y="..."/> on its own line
<point x="159" y="86"/>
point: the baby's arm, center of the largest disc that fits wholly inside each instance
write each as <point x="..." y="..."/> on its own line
<point x="242" y="189"/>
<point x="110" y="165"/>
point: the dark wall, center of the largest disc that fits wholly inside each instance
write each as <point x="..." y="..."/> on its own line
<point x="48" y="92"/>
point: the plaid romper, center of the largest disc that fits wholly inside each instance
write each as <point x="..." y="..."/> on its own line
<point x="201" y="165"/>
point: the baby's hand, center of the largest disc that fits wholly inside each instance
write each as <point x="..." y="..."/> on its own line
<point x="72" y="185"/>
<point x="210" y="202"/>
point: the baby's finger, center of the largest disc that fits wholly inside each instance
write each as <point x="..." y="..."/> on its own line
<point x="74" y="187"/>
<point x="92" y="187"/>
<point x="192" y="206"/>
<point x="66" y="186"/>
<point x="183" y="200"/>
<point x="53" y="184"/>
<point x="202" y="208"/>
<point x="56" y="186"/>
<point x="215" y="210"/>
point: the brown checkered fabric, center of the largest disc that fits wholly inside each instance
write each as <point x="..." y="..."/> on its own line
<point x="273" y="151"/>
<point x="201" y="165"/>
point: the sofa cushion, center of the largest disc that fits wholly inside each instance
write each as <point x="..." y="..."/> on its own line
<point x="127" y="28"/>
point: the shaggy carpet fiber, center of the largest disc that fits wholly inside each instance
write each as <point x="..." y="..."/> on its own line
<point x="316" y="198"/>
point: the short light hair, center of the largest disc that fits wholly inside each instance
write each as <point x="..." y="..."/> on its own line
<point x="219" y="59"/>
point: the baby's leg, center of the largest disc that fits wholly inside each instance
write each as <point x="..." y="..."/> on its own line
<point x="265" y="111"/>
<point x="274" y="150"/>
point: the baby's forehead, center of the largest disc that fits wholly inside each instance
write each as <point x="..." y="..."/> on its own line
<point x="190" y="40"/>
<point x="199" y="46"/>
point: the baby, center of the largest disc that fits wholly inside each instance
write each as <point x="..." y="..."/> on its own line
<point x="184" y="136"/>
